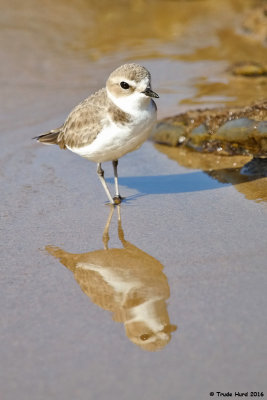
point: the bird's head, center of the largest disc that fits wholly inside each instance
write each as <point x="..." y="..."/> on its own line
<point x="129" y="87"/>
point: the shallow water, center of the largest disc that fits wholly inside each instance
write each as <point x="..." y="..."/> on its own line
<point x="195" y="222"/>
<point x="235" y="170"/>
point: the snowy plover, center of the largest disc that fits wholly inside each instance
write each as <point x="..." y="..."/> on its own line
<point x="110" y="123"/>
<point x="127" y="282"/>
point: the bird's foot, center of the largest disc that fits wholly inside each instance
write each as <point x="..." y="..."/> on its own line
<point x="118" y="199"/>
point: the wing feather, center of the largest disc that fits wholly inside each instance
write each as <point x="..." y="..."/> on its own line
<point x="85" y="121"/>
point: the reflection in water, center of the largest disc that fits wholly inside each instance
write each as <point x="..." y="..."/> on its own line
<point x="129" y="283"/>
<point x="248" y="176"/>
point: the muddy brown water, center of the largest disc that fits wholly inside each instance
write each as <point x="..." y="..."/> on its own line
<point x="195" y="223"/>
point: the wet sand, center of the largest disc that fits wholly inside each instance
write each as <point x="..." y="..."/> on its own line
<point x="200" y="236"/>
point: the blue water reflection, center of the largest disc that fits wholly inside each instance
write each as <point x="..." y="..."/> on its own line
<point x="167" y="184"/>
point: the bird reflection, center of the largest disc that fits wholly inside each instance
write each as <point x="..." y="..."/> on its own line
<point x="127" y="282"/>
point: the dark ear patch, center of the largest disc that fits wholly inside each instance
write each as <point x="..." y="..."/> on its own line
<point x="116" y="89"/>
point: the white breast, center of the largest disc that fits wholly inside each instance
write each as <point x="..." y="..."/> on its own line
<point x="115" y="140"/>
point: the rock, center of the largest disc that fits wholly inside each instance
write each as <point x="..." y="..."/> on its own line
<point x="249" y="69"/>
<point x="172" y="135"/>
<point x="236" y="130"/>
<point x="240" y="131"/>
<point x="255" y="22"/>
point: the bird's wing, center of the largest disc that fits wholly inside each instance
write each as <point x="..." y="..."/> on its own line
<point x="85" y="121"/>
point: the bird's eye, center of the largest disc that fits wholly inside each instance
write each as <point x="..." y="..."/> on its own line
<point x="124" y="85"/>
<point x="145" y="336"/>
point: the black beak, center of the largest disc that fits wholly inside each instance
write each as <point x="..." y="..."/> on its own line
<point x="150" y="93"/>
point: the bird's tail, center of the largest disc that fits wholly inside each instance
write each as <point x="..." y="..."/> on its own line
<point x="64" y="257"/>
<point x="48" y="138"/>
<point x="51" y="137"/>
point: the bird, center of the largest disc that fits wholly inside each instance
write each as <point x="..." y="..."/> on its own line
<point x="127" y="282"/>
<point x="110" y="123"/>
